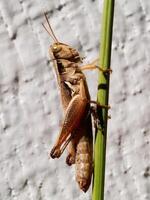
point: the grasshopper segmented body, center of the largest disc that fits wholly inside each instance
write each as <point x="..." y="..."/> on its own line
<point x="76" y="131"/>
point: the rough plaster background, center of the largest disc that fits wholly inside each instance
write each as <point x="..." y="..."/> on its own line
<point x="30" y="110"/>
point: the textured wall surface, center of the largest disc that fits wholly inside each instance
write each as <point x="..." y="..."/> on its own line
<point x="30" y="110"/>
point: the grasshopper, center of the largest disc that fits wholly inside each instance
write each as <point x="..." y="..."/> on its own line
<point x="76" y="130"/>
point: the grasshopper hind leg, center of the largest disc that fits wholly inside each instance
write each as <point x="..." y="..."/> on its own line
<point x="70" y="159"/>
<point x="74" y="114"/>
<point x="95" y="116"/>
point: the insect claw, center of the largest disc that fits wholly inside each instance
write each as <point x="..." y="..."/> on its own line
<point x="105" y="106"/>
<point x="52" y="60"/>
<point x="109" y="116"/>
<point x="107" y="71"/>
<point x="55" y="153"/>
<point x="70" y="160"/>
<point x="82" y="58"/>
<point x="110" y="70"/>
<point x="100" y="105"/>
<point x="109" y="107"/>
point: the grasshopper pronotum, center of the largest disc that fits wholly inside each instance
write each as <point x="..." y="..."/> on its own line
<point x="76" y="130"/>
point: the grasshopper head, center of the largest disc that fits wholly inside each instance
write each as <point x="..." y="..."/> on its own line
<point x="64" y="51"/>
<point x="60" y="50"/>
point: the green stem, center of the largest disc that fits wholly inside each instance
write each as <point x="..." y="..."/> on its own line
<point x="102" y="98"/>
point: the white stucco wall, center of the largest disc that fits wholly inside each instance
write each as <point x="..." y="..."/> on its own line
<point x="30" y="110"/>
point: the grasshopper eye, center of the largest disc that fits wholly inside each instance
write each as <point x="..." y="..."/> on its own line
<point x="56" y="48"/>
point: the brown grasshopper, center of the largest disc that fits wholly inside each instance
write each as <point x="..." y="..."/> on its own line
<point x="76" y="130"/>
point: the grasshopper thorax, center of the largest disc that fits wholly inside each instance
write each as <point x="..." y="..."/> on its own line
<point x="64" y="51"/>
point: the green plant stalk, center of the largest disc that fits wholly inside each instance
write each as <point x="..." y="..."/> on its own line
<point x="102" y="98"/>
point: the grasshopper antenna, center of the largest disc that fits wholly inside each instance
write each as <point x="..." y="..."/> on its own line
<point x="50" y="31"/>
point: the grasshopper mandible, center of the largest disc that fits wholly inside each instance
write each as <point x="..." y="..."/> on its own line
<point x="76" y="130"/>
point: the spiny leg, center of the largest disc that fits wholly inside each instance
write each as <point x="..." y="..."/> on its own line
<point x="94" y="112"/>
<point x="74" y="113"/>
<point x="70" y="159"/>
<point x="90" y="66"/>
<point x="95" y="116"/>
<point x="99" y="105"/>
<point x="94" y="65"/>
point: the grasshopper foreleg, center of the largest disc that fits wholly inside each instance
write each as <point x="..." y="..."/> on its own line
<point x="94" y="65"/>
<point x="90" y="66"/>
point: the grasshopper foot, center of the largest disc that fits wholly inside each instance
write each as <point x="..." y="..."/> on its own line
<point x="109" y="117"/>
<point x="55" y="153"/>
<point x="107" y="71"/>
<point x="70" y="160"/>
<point x="100" y="105"/>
